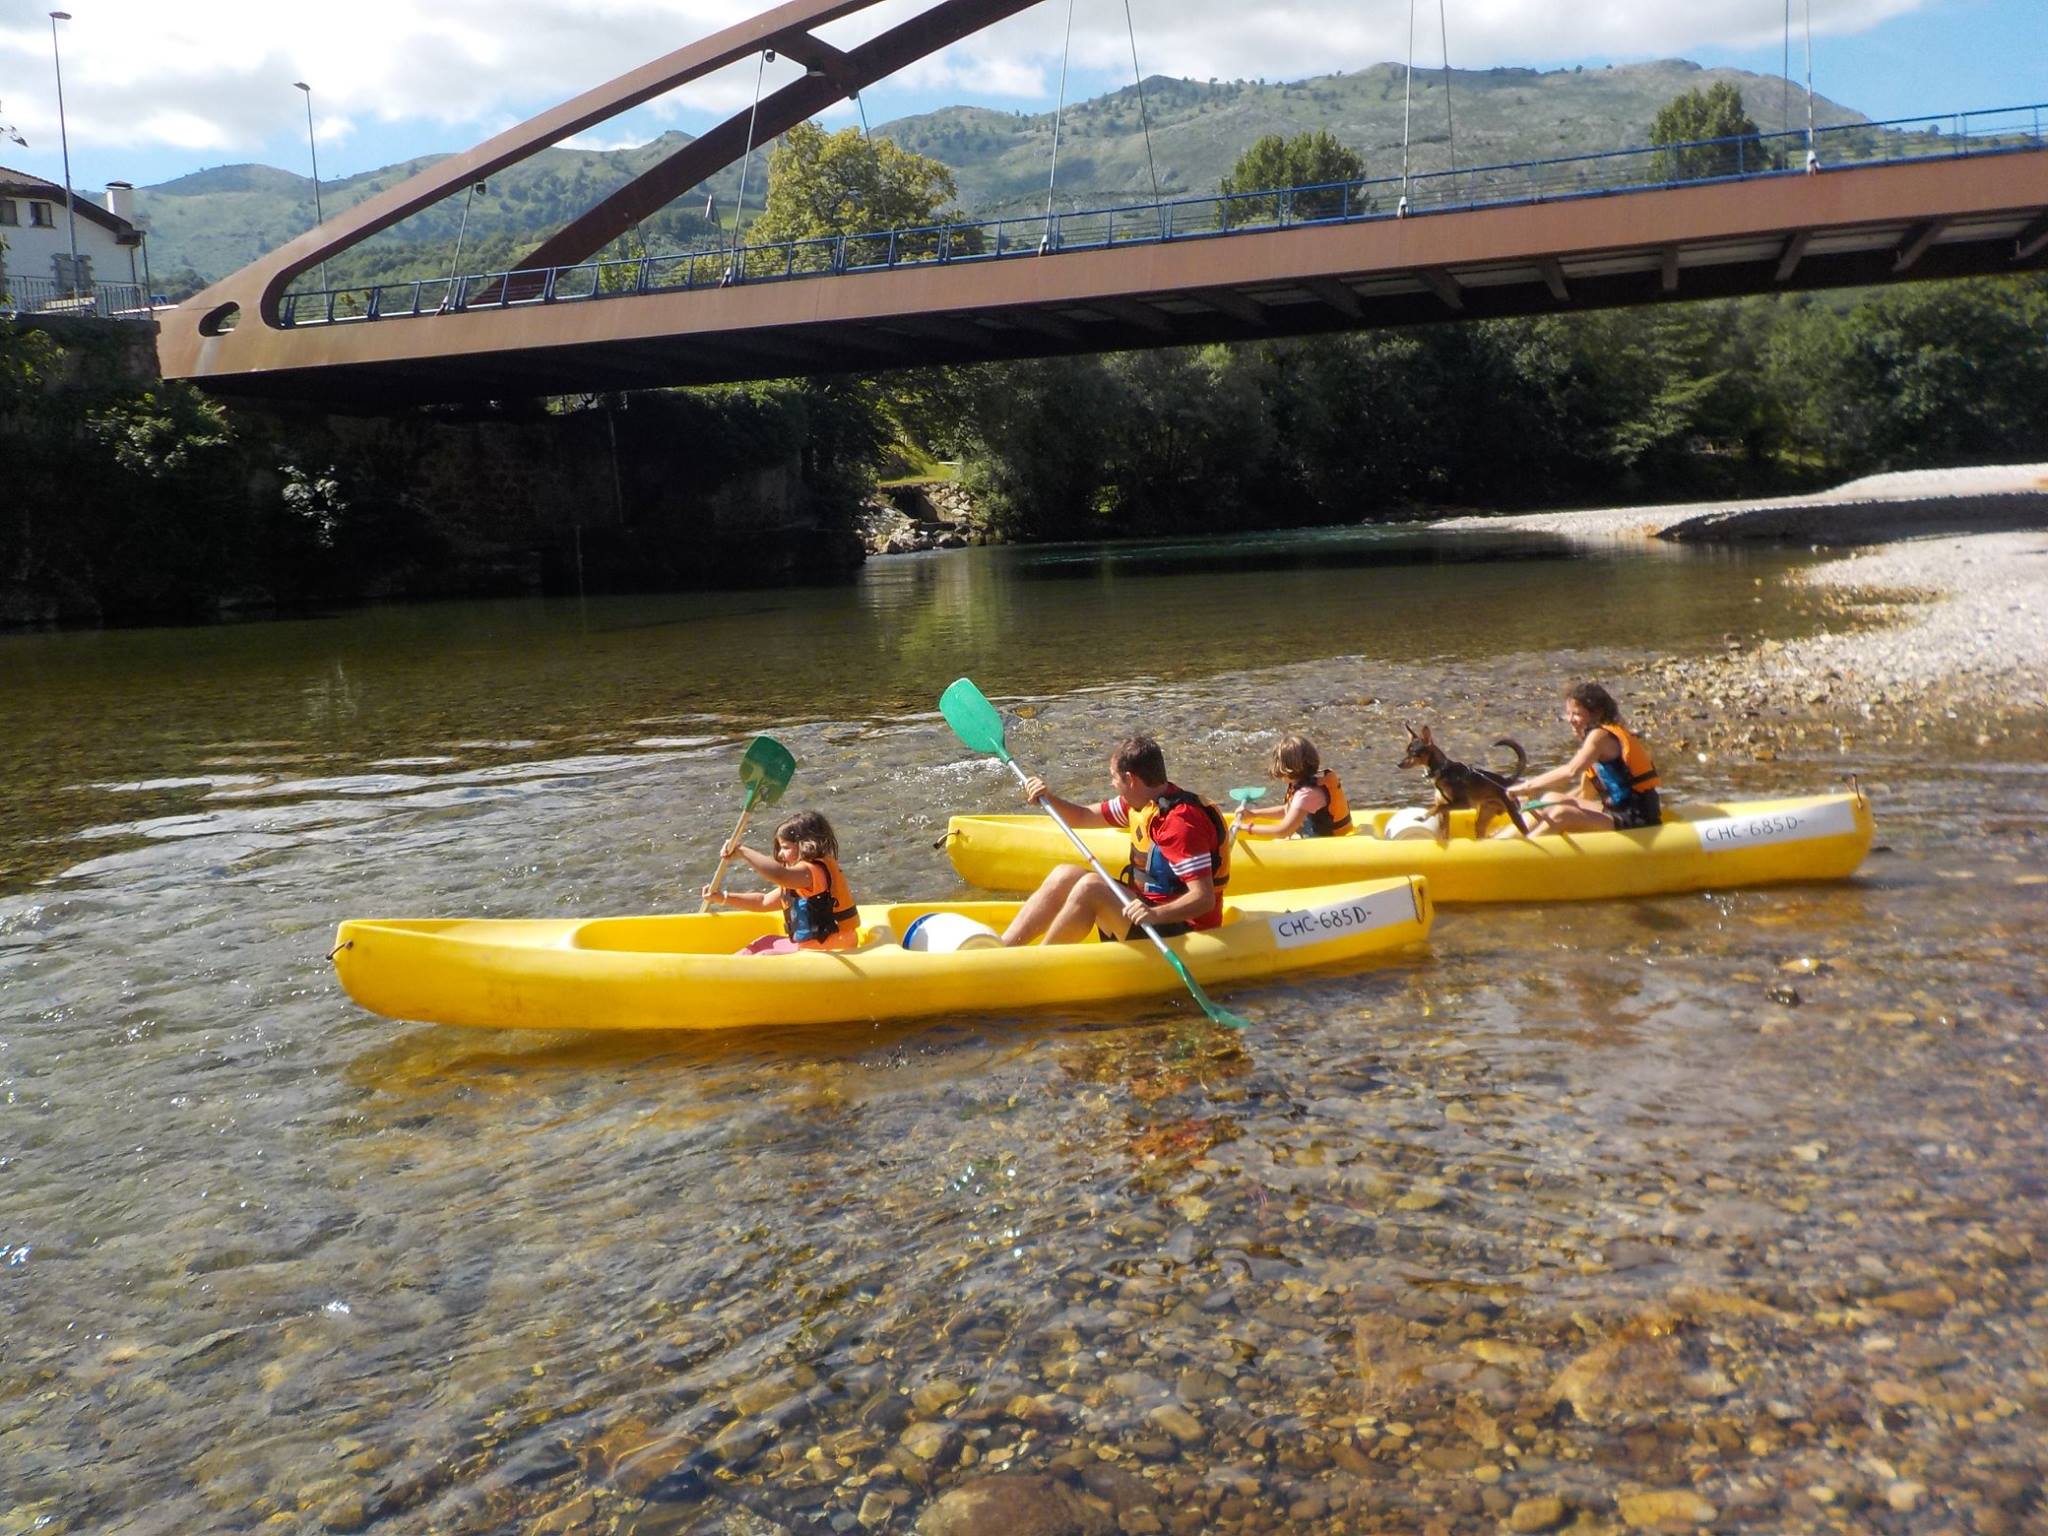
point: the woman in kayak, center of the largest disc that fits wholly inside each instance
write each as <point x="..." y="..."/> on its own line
<point x="1315" y="804"/>
<point x="810" y="889"/>
<point x="1617" y="781"/>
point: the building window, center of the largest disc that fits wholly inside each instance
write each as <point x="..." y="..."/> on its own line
<point x="39" y="216"/>
<point x="8" y="215"/>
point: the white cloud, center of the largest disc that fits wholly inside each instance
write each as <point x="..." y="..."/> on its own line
<point x="217" y="74"/>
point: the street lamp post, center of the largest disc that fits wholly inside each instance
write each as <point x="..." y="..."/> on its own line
<point x="313" y="152"/>
<point x="64" y="137"/>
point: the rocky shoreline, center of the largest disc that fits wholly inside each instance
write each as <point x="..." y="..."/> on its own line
<point x="909" y="517"/>
<point x="1874" y="510"/>
<point x="1941" y="619"/>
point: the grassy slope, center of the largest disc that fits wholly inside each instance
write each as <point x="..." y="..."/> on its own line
<point x="216" y="220"/>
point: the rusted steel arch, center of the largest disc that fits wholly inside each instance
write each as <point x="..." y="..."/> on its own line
<point x="253" y="294"/>
<point x="843" y="74"/>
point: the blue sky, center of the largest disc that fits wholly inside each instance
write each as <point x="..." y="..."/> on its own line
<point x="152" y="93"/>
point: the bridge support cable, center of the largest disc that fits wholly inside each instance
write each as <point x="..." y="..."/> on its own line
<point x="1144" y="120"/>
<point x="1785" y="77"/>
<point x="739" y="210"/>
<point x="1450" y="132"/>
<point x="1407" y="106"/>
<point x="1058" y="114"/>
<point x="1408" y="103"/>
<point x="1812" y="157"/>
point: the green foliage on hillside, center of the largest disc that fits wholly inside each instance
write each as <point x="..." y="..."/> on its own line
<point x="1696" y="117"/>
<point x="823" y="183"/>
<point x="1306" y="160"/>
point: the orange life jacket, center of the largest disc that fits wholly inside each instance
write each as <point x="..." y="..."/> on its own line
<point x="1334" y="819"/>
<point x="828" y="920"/>
<point x="1626" y="777"/>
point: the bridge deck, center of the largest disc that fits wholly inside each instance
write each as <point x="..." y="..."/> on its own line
<point x="1862" y="225"/>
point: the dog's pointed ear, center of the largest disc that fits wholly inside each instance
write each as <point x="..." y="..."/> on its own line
<point x="1425" y="737"/>
<point x="1409" y="729"/>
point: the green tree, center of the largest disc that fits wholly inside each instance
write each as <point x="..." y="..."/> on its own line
<point x="825" y="184"/>
<point x="1306" y="160"/>
<point x="1696" y="116"/>
<point x="1929" y="375"/>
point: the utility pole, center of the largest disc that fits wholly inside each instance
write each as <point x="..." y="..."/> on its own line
<point x="64" y="136"/>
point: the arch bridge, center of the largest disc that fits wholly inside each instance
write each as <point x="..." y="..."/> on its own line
<point x="1866" y="204"/>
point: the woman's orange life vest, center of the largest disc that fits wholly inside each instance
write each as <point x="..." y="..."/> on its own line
<point x="1334" y="819"/>
<point x="1149" y="872"/>
<point x="1621" y="780"/>
<point x="828" y="920"/>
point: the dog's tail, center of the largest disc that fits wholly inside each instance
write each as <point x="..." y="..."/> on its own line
<point x="1521" y="757"/>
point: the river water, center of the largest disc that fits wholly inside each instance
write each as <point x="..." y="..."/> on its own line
<point x="1725" y="1203"/>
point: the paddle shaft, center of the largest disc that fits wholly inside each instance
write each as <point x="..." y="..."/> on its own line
<point x="1114" y="885"/>
<point x="739" y="831"/>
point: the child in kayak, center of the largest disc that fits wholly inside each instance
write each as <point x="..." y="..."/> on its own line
<point x="1617" y="781"/>
<point x="810" y="889"/>
<point x="1180" y="859"/>
<point x="1315" y="804"/>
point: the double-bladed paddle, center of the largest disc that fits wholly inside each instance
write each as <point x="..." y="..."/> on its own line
<point x="764" y="773"/>
<point x="979" y="724"/>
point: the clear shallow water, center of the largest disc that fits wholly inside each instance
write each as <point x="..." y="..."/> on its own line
<point x="1567" y="1206"/>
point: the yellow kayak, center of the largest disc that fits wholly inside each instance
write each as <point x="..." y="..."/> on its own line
<point x="1699" y="847"/>
<point x="681" y="972"/>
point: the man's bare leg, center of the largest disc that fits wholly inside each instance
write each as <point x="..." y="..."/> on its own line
<point x="1090" y="905"/>
<point x="1044" y="904"/>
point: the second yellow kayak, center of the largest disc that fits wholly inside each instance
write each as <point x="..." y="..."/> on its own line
<point x="1699" y="847"/>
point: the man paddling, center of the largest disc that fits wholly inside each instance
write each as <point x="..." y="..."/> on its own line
<point x="1179" y="859"/>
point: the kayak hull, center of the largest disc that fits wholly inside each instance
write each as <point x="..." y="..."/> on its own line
<point x="681" y="972"/>
<point x="1700" y="847"/>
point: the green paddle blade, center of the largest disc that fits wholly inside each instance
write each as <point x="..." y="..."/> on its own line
<point x="1218" y="1014"/>
<point x="978" y="723"/>
<point x="766" y="770"/>
<point x="1248" y="794"/>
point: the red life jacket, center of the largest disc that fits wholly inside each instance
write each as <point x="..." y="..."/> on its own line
<point x="1148" y="869"/>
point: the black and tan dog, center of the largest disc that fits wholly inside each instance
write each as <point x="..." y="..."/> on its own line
<point x="1460" y="786"/>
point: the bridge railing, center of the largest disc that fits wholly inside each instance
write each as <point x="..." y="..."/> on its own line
<point x="1746" y="158"/>
<point x="46" y="296"/>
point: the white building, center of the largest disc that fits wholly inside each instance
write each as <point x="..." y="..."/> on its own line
<point x="36" y="230"/>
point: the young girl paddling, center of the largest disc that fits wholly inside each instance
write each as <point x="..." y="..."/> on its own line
<point x="1315" y="804"/>
<point x="1617" y="781"/>
<point x="810" y="888"/>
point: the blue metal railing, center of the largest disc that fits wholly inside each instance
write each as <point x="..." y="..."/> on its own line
<point x="46" y="296"/>
<point x="1750" y="158"/>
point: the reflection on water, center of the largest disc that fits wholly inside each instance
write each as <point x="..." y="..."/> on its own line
<point x="160" y="713"/>
<point x="1732" y="1197"/>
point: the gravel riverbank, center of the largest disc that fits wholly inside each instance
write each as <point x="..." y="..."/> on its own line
<point x="1939" y="620"/>
<point x="1873" y="510"/>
